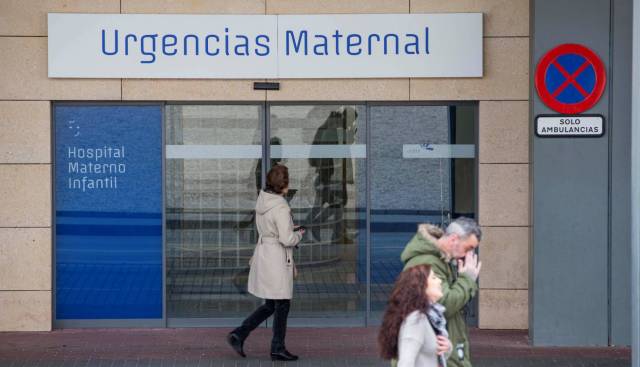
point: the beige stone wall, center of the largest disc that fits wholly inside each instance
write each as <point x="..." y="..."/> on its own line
<point x="25" y="216"/>
<point x="25" y="162"/>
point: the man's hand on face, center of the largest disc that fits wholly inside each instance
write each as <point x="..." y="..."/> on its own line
<point x="471" y="266"/>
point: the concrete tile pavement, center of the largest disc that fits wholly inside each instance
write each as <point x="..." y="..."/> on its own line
<point x="206" y="347"/>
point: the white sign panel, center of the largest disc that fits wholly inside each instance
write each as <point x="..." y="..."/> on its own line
<point x="570" y="126"/>
<point x="264" y="46"/>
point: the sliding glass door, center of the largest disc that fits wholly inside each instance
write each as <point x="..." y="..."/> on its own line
<point x="213" y="171"/>
<point x="362" y="176"/>
<point x="422" y="162"/>
<point x="324" y="147"/>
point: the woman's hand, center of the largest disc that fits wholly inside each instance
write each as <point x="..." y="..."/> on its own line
<point x="444" y="345"/>
<point x="299" y="229"/>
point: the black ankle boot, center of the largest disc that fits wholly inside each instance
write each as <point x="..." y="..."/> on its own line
<point x="236" y="343"/>
<point x="284" y="355"/>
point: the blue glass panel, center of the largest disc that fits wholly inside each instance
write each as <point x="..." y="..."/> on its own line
<point x="108" y="186"/>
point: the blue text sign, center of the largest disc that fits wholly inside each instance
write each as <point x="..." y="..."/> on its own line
<point x="108" y="212"/>
<point x="264" y="46"/>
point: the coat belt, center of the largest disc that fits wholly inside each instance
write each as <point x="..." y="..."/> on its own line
<point x="271" y="240"/>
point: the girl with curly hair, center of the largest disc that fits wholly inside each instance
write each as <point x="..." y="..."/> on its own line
<point x="413" y="330"/>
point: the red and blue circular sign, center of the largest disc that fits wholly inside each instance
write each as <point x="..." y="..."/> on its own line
<point x="570" y="79"/>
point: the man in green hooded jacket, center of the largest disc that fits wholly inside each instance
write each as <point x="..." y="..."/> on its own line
<point x="442" y="249"/>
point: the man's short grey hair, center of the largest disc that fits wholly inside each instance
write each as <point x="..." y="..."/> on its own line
<point x="464" y="227"/>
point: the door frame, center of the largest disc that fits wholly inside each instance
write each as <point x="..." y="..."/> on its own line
<point x="365" y="320"/>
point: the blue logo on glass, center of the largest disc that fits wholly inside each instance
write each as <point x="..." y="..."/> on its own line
<point x="108" y="186"/>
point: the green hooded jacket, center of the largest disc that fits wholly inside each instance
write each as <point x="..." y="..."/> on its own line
<point x="457" y="289"/>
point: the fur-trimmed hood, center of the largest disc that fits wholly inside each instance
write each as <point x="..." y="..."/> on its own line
<point x="430" y="232"/>
<point x="423" y="243"/>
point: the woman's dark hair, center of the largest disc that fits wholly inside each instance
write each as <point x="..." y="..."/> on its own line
<point x="278" y="178"/>
<point x="407" y="296"/>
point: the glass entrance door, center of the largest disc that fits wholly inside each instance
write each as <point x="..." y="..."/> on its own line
<point x="361" y="178"/>
<point x="422" y="160"/>
<point x="324" y="148"/>
<point x="213" y="171"/>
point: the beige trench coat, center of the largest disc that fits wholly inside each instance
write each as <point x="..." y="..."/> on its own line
<point x="271" y="272"/>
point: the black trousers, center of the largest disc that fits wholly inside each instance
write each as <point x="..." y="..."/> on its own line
<point x="277" y="307"/>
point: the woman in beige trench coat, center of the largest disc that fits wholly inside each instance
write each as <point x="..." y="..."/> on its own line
<point x="271" y="267"/>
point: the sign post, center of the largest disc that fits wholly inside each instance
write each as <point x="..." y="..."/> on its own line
<point x="635" y="190"/>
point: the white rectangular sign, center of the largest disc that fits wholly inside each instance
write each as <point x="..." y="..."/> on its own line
<point x="570" y="126"/>
<point x="264" y="46"/>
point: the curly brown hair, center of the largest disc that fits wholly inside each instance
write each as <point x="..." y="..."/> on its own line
<point x="407" y="296"/>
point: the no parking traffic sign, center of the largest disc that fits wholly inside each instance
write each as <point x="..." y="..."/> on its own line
<point x="570" y="78"/>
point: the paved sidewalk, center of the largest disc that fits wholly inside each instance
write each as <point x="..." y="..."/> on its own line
<point x="317" y="347"/>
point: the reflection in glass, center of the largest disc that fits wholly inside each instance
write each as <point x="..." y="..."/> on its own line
<point x="407" y="189"/>
<point x="324" y="148"/>
<point x="210" y="196"/>
<point x="214" y="172"/>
